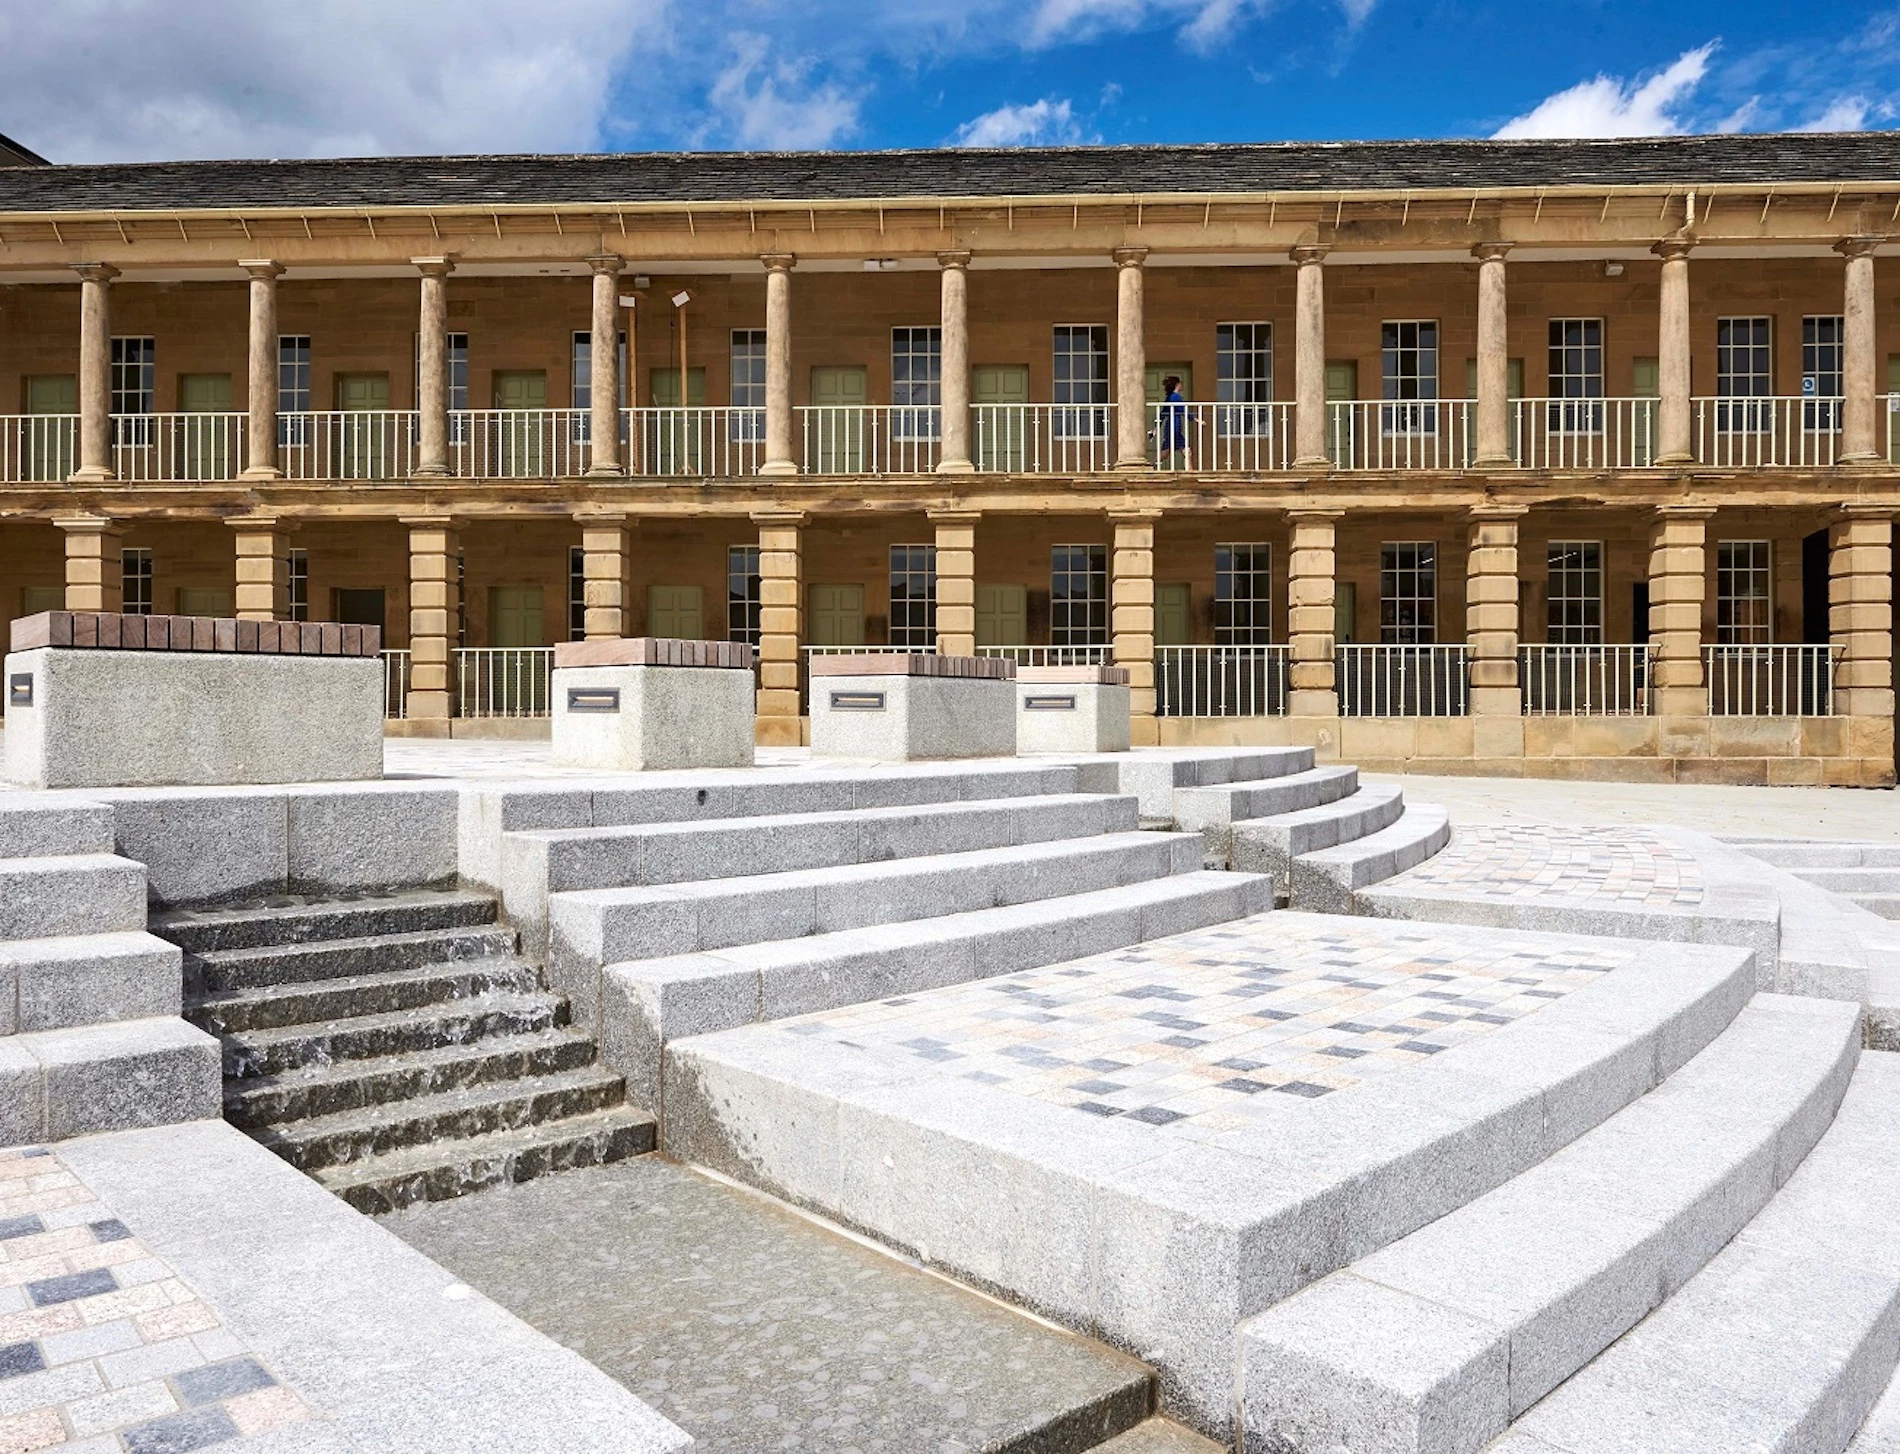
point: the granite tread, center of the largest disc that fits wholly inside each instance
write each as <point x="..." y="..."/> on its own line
<point x="348" y="996"/>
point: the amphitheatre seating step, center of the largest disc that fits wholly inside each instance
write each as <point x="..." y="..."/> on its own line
<point x="346" y="996"/>
<point x="646" y="1003"/>
<point x="31" y="827"/>
<point x="1881" y="1433"/>
<point x="86" y="979"/>
<point x="79" y="893"/>
<point x="273" y="966"/>
<point x="1155" y="776"/>
<point x="1852" y="882"/>
<point x="154" y="1071"/>
<point x="1786" y="1340"/>
<point x="1214" y="810"/>
<point x="1326" y="879"/>
<point x="399" y="1032"/>
<point x="1433" y="1344"/>
<point x="1269" y="845"/>
<point x="286" y="920"/>
<point x="1800" y="854"/>
<point x="1885" y="905"/>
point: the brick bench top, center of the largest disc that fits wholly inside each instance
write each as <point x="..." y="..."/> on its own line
<point x="111" y="631"/>
<point x="1107" y="676"/>
<point x="653" y="651"/>
<point x="919" y="664"/>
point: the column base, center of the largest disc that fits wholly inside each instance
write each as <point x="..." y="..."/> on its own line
<point x="1496" y="702"/>
<point x="1862" y="458"/>
<point x="1313" y="462"/>
<point x="1129" y="465"/>
<point x="428" y="706"/>
<point x="778" y="469"/>
<point x="1679" y="701"/>
<point x="605" y="472"/>
<point x="92" y="474"/>
<point x="956" y="467"/>
<point x="260" y="472"/>
<point x="778" y="731"/>
<point x="1673" y="459"/>
<point x="1493" y="461"/>
<point x="1308" y="702"/>
<point x="1144" y="730"/>
<point x="430" y="472"/>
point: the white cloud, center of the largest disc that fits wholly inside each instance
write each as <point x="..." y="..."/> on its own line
<point x="1610" y="106"/>
<point x="1204" y="24"/>
<point x="1849" y="113"/>
<point x="93" y="80"/>
<point x="772" y="107"/>
<point x="1048" y="122"/>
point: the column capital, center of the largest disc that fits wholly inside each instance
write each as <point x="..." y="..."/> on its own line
<point x="1497" y="511"/>
<point x="1860" y="245"/>
<point x="1309" y="254"/>
<point x="778" y="262"/>
<point x="1314" y="517"/>
<point x="1867" y="510"/>
<point x="781" y="518"/>
<point x="429" y="522"/>
<point x="1133" y="517"/>
<point x="87" y="524"/>
<point x="609" y="263"/>
<point x="433" y="267"/>
<point x="585" y="517"/>
<point x="96" y="272"/>
<point x="953" y="259"/>
<point x="1674" y="249"/>
<point x="264" y="268"/>
<point x="259" y="522"/>
<point x="1685" y="512"/>
<point x="1487" y="252"/>
<point x="1129" y="257"/>
<point x="953" y="517"/>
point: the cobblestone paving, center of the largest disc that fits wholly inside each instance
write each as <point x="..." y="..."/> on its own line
<point x="1619" y="868"/>
<point x="1199" y="1031"/>
<point x="103" y="1349"/>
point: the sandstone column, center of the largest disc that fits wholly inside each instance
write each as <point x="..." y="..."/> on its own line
<point x="1491" y="625"/>
<point x="1131" y="608"/>
<point x="1859" y="418"/>
<point x="1678" y="585"/>
<point x="1494" y="376"/>
<point x="260" y="388"/>
<point x="953" y="458"/>
<point x="263" y="568"/>
<point x="956" y="581"/>
<point x="1131" y="363"/>
<point x="1860" y="611"/>
<point x="781" y="634"/>
<point x="95" y="374"/>
<point x="434" y="609"/>
<point x="1673" y="438"/>
<point x="603" y="392"/>
<point x="780" y="458"/>
<point x="95" y="571"/>
<point x="606" y="546"/>
<point x="1309" y="360"/>
<point x="1313" y="689"/>
<point x="432" y="390"/>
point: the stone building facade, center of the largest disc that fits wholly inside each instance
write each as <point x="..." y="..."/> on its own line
<point x="1551" y="458"/>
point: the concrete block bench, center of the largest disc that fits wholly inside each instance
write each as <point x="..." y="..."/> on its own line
<point x="95" y="699"/>
<point x="648" y="703"/>
<point x="899" y="708"/>
<point x="1072" y="709"/>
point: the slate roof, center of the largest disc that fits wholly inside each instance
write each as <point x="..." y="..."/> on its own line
<point x="714" y="177"/>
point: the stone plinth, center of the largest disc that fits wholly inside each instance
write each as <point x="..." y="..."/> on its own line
<point x="646" y="703"/>
<point x="1072" y="709"/>
<point x="96" y="699"/>
<point x="898" y="708"/>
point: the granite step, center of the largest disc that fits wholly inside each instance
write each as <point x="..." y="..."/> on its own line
<point x="1213" y="811"/>
<point x="78" y="893"/>
<point x="295" y="919"/>
<point x="275" y="966"/>
<point x="1269" y="845"/>
<point x="1885" y="905"/>
<point x="1160" y="1436"/>
<point x="330" y="1088"/>
<point x="445" y="1170"/>
<point x="443" y="1118"/>
<point x="87" y="979"/>
<point x="1853" y="882"/>
<point x="1881" y="1433"/>
<point x="351" y="996"/>
<point x="1326" y="879"/>
<point x="457" y="1022"/>
<point x="31" y="827"/>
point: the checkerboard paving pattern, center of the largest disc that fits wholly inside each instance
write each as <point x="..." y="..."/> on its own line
<point x="1612" y="868"/>
<point x="1207" y="1032"/>
<point x="103" y="1348"/>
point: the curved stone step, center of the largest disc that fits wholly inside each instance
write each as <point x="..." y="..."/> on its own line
<point x="1155" y="775"/>
<point x="350" y="996"/>
<point x="1326" y="879"/>
<point x="1213" y="811"/>
<point x="273" y="966"/>
<point x="1853" y="882"/>
<point x="1433" y="1344"/>
<point x="288" y="920"/>
<point x="1269" y="845"/>
<point x="1786" y="1340"/>
<point x="458" y="1022"/>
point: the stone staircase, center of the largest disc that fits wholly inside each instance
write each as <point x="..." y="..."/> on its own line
<point x="396" y="1047"/>
<point x="1867" y="874"/>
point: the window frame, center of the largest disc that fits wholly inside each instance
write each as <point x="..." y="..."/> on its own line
<point x="745" y="386"/>
<point x="917" y="419"/>
<point x="1413" y="414"/>
<point x="1744" y="562"/>
<point x="1395" y="604"/>
<point x="297" y="582"/>
<point x="1242" y="400"/>
<point x="913" y="597"/>
<point x="293" y="390"/>
<point x="1573" y="597"/>
<point x="1821" y="407"/>
<point x="1574" y="376"/>
<point x="134" y="380"/>
<point x="1072" y="416"/>
<point x="135" y="565"/>
<point x="1078" y="619"/>
<point x="1744" y="410"/>
<point x="743" y="594"/>
<point x="1243" y="617"/>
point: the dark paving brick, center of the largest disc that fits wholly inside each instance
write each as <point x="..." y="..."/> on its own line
<point x="71" y="1287"/>
<point x="110" y="1231"/>
<point x="180" y="1433"/>
<point x="221" y="1380"/>
<point x="11" y="1227"/>
<point x="18" y="1358"/>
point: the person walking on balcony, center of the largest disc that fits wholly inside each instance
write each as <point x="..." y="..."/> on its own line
<point x="1171" y="428"/>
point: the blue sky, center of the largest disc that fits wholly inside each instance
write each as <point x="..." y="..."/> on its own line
<point x="180" y="78"/>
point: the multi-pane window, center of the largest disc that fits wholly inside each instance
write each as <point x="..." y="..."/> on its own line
<point x="1081" y="380"/>
<point x="1823" y="372"/>
<point x="748" y="385"/>
<point x="1408" y="592"/>
<point x="1743" y="582"/>
<point x="742" y="593"/>
<point x="134" y="362"/>
<point x="916" y="382"/>
<point x="576" y="593"/>
<point x="1408" y="352"/>
<point x="136" y="574"/>
<point x="293" y="390"/>
<point x="1078" y="595"/>
<point x="1576" y="373"/>
<point x="581" y="394"/>
<point x="297" y="576"/>
<point x="914" y="596"/>
<point x="1243" y="358"/>
<point x="1243" y="594"/>
<point x="1575" y="600"/>
<point x="1744" y="359"/>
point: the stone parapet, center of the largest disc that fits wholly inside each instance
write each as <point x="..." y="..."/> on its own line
<point x="653" y="651"/>
<point x="111" y="631"/>
<point x="921" y="664"/>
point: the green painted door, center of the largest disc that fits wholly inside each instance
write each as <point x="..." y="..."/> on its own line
<point x="514" y="616"/>
<point x="834" y="442"/>
<point x="50" y="442"/>
<point x="207" y="449"/>
<point x="363" y="447"/>
<point x="205" y="601"/>
<point x="1342" y="387"/>
<point x="1157" y="372"/>
<point x="676" y="612"/>
<point x="834" y="615"/>
<point x="521" y="396"/>
<point x="999" y="429"/>
<point x="675" y="440"/>
<point x="1171" y="615"/>
<point x="1002" y="615"/>
<point x="1646" y="384"/>
<point x="514" y="683"/>
<point x="35" y="599"/>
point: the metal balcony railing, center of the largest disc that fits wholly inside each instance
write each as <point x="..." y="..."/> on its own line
<point x="38" y="449"/>
<point x="1040" y="439"/>
<point x="1221" y="438"/>
<point x="348" y="444"/>
<point x="870" y="439"/>
<point x="694" y="443"/>
<point x="1593" y="680"/>
<point x="396" y="684"/>
<point x="188" y="448"/>
<point x="1402" y="680"/>
<point x="1769" y="680"/>
<point x="1583" y="434"/>
<point x="1220" y="681"/>
<point x="1100" y="654"/>
<point x="1766" y="433"/>
<point x="503" y="681"/>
